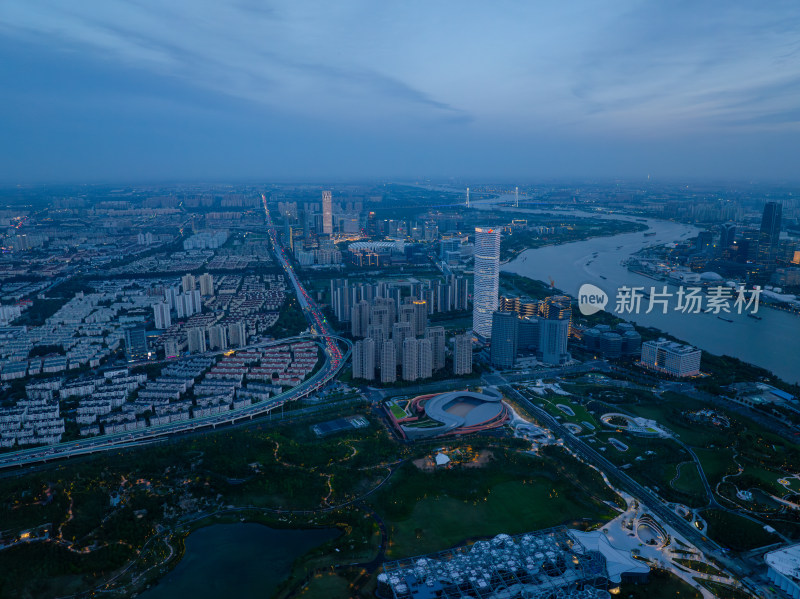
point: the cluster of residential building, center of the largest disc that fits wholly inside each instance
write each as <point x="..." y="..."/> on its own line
<point x="325" y="254"/>
<point x="118" y="400"/>
<point x="206" y="249"/>
<point x="206" y="240"/>
<point x="92" y="326"/>
<point x="236" y="308"/>
<point x="83" y="332"/>
<point x="390" y="322"/>
<point x="77" y="235"/>
<point x="378" y="356"/>
<point x="32" y="421"/>
<point x="389" y="299"/>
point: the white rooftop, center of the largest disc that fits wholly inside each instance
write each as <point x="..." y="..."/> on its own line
<point x="618" y="561"/>
<point x="441" y="459"/>
<point x="786" y="561"/>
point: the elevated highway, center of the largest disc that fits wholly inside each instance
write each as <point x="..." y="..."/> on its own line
<point x="151" y="434"/>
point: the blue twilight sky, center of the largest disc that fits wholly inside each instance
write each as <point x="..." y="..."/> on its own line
<point x="99" y="90"/>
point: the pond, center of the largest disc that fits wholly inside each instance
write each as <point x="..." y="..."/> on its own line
<point x="236" y="560"/>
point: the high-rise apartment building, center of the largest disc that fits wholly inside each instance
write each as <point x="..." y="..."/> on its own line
<point x="206" y="284"/>
<point x="388" y="362"/>
<point x="364" y="359"/>
<point x="359" y="319"/>
<point x="380" y="316"/>
<point x="460" y="293"/>
<point x="462" y="354"/>
<point x="408" y="315"/>
<point x="171" y="294"/>
<point x="327" y="213"/>
<point x="162" y="315"/>
<point x="436" y="337"/>
<point x="237" y="334"/>
<point x="188" y="283"/>
<point x="486" y="280"/>
<point x="410" y="359"/>
<point x="378" y="335"/>
<point x="400" y="332"/>
<point x="197" y="340"/>
<point x="391" y="310"/>
<point x="442" y="297"/>
<point x="197" y="301"/>
<point x="420" y="316"/>
<point x="424" y="359"/>
<point x="218" y="337"/>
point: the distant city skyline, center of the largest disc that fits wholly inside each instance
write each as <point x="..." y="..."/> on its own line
<point x="104" y="92"/>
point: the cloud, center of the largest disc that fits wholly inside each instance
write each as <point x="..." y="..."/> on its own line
<point x="686" y="64"/>
<point x="454" y="84"/>
<point x="240" y="48"/>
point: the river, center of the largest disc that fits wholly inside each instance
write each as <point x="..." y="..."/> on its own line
<point x="236" y="560"/>
<point x="772" y="342"/>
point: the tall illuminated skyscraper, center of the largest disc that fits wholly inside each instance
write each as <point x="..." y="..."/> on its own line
<point x="487" y="280"/>
<point x="327" y="213"/>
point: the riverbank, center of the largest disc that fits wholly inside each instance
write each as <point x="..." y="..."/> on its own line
<point x="771" y="343"/>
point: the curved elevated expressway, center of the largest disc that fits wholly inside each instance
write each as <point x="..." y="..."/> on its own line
<point x="154" y="433"/>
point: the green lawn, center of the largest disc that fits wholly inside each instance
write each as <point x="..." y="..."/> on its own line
<point x="668" y="414"/>
<point x="698" y="566"/>
<point x="756" y="475"/>
<point x="397" y="411"/>
<point x="662" y="585"/>
<point x="735" y="532"/>
<point x="794" y="485"/>
<point x="689" y="481"/>
<point x="724" y="590"/>
<point x="437" y="523"/>
<point x="551" y="405"/>
<point x="515" y="493"/>
<point x="652" y="462"/>
<point x="329" y="586"/>
<point x="716" y="463"/>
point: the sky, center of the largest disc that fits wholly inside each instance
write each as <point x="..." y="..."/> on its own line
<point x="141" y="90"/>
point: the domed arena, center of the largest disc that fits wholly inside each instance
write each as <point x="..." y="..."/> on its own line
<point x="451" y="413"/>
